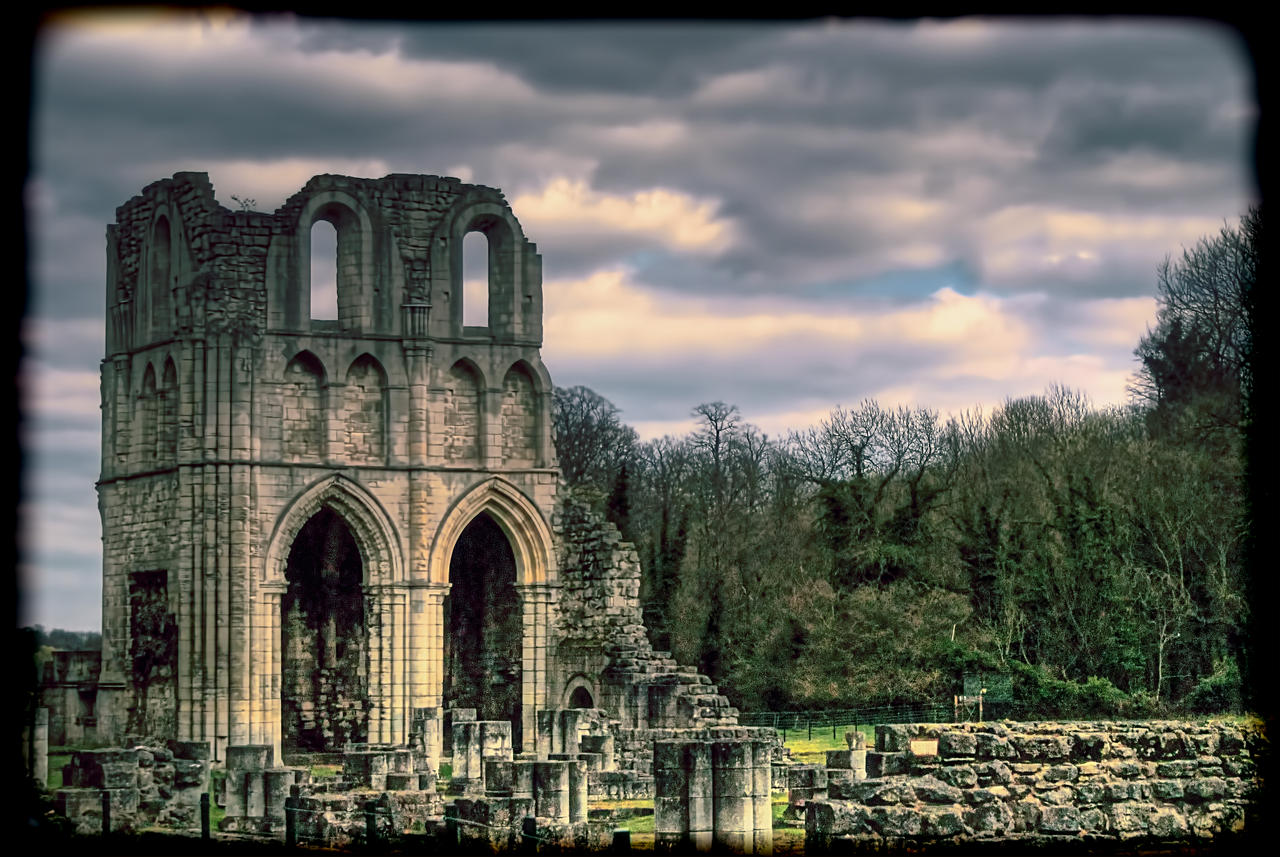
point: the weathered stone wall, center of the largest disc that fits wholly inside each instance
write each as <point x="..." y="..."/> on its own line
<point x="68" y="689"/>
<point x="145" y="784"/>
<point x="599" y="582"/>
<point x="1098" y="781"/>
<point x="230" y="417"/>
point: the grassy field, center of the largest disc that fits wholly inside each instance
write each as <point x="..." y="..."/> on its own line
<point x="58" y="756"/>
<point x="812" y="752"/>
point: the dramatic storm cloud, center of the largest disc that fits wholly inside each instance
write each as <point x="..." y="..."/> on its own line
<point x="785" y="217"/>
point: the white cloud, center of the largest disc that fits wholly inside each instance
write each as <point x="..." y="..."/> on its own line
<point x="605" y="315"/>
<point x="64" y="393"/>
<point x="68" y="529"/>
<point x="1021" y="242"/>
<point x="670" y="218"/>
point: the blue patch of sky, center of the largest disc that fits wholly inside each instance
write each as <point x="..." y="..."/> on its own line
<point x="904" y="284"/>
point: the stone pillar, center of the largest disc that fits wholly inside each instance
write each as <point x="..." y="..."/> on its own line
<point x="428" y="651"/>
<point x="246" y="789"/>
<point x="424" y="736"/>
<point x="535" y="600"/>
<point x="491" y="425"/>
<point x="468" y="770"/>
<point x="546" y="739"/>
<point x="670" y="797"/>
<point x="278" y="781"/>
<point x="522" y="778"/>
<point x="732" y="776"/>
<point x="551" y="790"/>
<point x="499" y="777"/>
<point x="762" y="796"/>
<point x="495" y="739"/>
<point x="700" y="774"/>
<point x="571" y="721"/>
<point x="604" y="745"/>
<point x="577" y="791"/>
<point x="40" y="748"/>
<point x="271" y="595"/>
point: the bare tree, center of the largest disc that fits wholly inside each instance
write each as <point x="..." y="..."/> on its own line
<point x="591" y="442"/>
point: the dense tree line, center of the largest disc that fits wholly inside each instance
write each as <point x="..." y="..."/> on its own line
<point x="1093" y="556"/>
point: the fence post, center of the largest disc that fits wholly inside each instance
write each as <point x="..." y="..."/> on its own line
<point x="529" y="835"/>
<point x="204" y="816"/>
<point x="371" y="823"/>
<point x="290" y="821"/>
<point x="451" y="826"/>
<point x="810" y="720"/>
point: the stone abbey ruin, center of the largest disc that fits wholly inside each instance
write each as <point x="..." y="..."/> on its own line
<point x="346" y="539"/>
<point x="313" y="528"/>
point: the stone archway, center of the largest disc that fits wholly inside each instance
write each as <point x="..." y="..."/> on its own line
<point x="483" y="639"/>
<point x="370" y="572"/>
<point x="525" y="533"/>
<point x="324" y="693"/>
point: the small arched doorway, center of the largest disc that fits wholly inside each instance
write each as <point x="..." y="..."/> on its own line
<point x="325" y="682"/>
<point x="483" y="635"/>
<point x="581" y="698"/>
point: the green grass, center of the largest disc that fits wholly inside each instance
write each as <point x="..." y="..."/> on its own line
<point x="216" y="813"/>
<point x="637" y="824"/>
<point x="325" y="772"/>
<point x="622" y="804"/>
<point x="814" y="751"/>
<point x="56" y="761"/>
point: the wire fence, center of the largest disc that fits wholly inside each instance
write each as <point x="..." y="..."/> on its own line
<point x="811" y="722"/>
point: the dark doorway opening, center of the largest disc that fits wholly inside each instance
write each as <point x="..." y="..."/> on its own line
<point x="581" y="698"/>
<point x="325" y="692"/>
<point x="483" y="640"/>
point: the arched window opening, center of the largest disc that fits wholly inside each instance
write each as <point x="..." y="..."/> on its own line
<point x="324" y="271"/>
<point x="581" y="698"/>
<point x="160" y="276"/>
<point x="475" y="280"/>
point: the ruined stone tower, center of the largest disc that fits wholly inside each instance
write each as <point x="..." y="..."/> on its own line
<point x="286" y="500"/>
<point x="314" y="528"/>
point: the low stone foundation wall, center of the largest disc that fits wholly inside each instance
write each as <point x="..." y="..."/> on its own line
<point x="144" y="784"/>
<point x="1170" y="781"/>
<point x="634" y="747"/>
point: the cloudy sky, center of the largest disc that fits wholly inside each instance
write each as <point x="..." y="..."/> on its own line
<point x="784" y="217"/>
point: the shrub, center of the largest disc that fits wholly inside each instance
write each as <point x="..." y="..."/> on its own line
<point x="1218" y="692"/>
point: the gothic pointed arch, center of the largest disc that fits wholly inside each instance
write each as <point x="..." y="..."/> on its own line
<point x="372" y="527"/>
<point x="304" y="409"/>
<point x="168" y="414"/>
<point x="520" y="521"/>
<point x="521" y="423"/>
<point x="364" y="411"/>
<point x="145" y="411"/>
<point x="463" y="413"/>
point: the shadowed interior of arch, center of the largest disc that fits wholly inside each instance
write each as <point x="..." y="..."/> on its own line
<point x="581" y="698"/>
<point x="324" y="693"/>
<point x="483" y="629"/>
